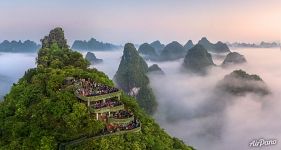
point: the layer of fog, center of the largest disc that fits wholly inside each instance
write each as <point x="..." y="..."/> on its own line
<point x="12" y="67"/>
<point x="111" y="61"/>
<point x="191" y="109"/>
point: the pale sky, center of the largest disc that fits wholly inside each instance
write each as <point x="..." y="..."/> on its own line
<point x="121" y="21"/>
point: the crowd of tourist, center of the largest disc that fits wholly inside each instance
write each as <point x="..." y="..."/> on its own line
<point x="88" y="87"/>
<point x="122" y="114"/>
<point x="107" y="103"/>
<point x="122" y="127"/>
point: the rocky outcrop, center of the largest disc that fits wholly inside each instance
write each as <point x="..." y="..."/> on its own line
<point x="91" y="57"/>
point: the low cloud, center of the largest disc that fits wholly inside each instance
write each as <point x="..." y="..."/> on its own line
<point x="192" y="109"/>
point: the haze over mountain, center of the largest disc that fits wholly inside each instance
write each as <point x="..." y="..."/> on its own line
<point x="118" y="23"/>
<point x="233" y="58"/>
<point x="216" y="93"/>
<point x="131" y="77"/>
<point x="43" y="112"/>
<point x="240" y="83"/>
<point x="218" y="47"/>
<point x="253" y="45"/>
<point x="189" y="44"/>
<point x="155" y="69"/>
<point x="198" y="60"/>
<point x="148" y="51"/>
<point x="91" y="57"/>
<point x="93" y="45"/>
<point x="172" y="51"/>
<point x="19" y="46"/>
<point x="158" y="46"/>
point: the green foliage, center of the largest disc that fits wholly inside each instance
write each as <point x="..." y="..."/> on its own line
<point x="132" y="74"/>
<point x="157" y="45"/>
<point x="239" y="83"/>
<point x="55" y="52"/>
<point x="173" y="51"/>
<point x="155" y="69"/>
<point x="198" y="59"/>
<point x="244" y="75"/>
<point x="38" y="120"/>
<point x="219" y="47"/>
<point x="41" y="111"/>
<point x="19" y="46"/>
<point x="93" y="44"/>
<point x="55" y="36"/>
<point x="147" y="50"/>
<point x="233" y="58"/>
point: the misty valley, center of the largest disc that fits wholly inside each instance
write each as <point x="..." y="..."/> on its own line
<point x="211" y="96"/>
<point x="140" y="75"/>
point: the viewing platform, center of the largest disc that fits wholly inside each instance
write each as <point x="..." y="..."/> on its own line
<point x="104" y="102"/>
<point x="98" y="97"/>
<point x="120" y="121"/>
<point x="66" y="145"/>
<point x="107" y="109"/>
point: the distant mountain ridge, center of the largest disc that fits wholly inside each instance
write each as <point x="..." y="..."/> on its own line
<point x="253" y="45"/>
<point x="93" y="45"/>
<point x="218" y="47"/>
<point x="19" y="46"/>
<point x="158" y="46"/>
<point x="174" y="50"/>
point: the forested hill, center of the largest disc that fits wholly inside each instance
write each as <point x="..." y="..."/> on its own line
<point x="41" y="111"/>
<point x="93" y="45"/>
<point x="19" y="46"/>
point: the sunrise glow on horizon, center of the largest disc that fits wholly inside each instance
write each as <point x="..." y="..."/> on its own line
<point x="144" y="21"/>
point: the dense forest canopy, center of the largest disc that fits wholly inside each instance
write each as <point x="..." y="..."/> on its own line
<point x="198" y="59"/>
<point x="131" y="77"/>
<point x="41" y="111"/>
